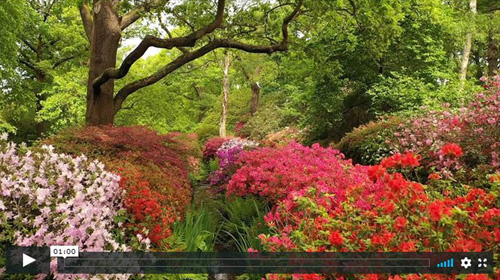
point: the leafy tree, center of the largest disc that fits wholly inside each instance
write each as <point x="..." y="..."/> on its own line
<point x="49" y="44"/>
<point x="231" y="27"/>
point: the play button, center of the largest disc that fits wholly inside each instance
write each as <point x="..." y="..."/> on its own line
<point x="27" y="260"/>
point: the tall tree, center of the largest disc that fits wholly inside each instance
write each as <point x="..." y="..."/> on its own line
<point x="468" y="45"/>
<point x="225" y="95"/>
<point x="104" y="26"/>
<point x="51" y="42"/>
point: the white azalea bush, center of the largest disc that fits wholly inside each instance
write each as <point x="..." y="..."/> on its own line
<point x="48" y="199"/>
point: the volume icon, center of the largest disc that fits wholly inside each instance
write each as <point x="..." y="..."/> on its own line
<point x="447" y="263"/>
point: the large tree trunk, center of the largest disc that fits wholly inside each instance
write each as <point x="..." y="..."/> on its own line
<point x="225" y="100"/>
<point x="254" y="102"/>
<point x="467" y="47"/>
<point x="105" y="38"/>
<point x="493" y="56"/>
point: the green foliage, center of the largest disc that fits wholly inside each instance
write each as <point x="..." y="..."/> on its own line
<point x="242" y="222"/>
<point x="367" y="144"/>
<point x="197" y="232"/>
<point x="12" y="15"/>
<point x="65" y="103"/>
<point x="399" y="93"/>
<point x="266" y="121"/>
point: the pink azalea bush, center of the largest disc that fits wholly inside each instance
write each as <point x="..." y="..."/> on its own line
<point x="474" y="129"/>
<point x="211" y="147"/>
<point x="72" y="200"/>
<point x="278" y="173"/>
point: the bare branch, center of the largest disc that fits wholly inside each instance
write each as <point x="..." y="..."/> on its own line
<point x="87" y="20"/>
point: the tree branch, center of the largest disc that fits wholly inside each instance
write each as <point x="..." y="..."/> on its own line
<point x="29" y="45"/>
<point x="151" y="41"/>
<point x="169" y="68"/>
<point x="131" y="17"/>
<point x="27" y="64"/>
<point x="87" y="20"/>
<point x="187" y="57"/>
<point x="60" y="62"/>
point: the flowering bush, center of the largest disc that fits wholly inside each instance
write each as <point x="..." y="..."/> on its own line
<point x="72" y="200"/>
<point x="154" y="166"/>
<point x="447" y="140"/>
<point x="230" y="150"/>
<point x="277" y="173"/>
<point x="371" y="210"/>
<point x="227" y="156"/>
<point x="211" y="147"/>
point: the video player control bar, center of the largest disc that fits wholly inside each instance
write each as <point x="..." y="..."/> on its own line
<point x="36" y="260"/>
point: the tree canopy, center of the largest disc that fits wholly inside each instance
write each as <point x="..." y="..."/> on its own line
<point x="327" y="66"/>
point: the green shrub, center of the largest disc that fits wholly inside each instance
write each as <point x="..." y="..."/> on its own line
<point x="207" y="131"/>
<point x="367" y="144"/>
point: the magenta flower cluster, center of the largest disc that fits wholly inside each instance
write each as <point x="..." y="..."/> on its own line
<point x="228" y="154"/>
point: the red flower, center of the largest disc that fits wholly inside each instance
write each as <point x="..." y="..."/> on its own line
<point x="434" y="176"/>
<point x="400" y="223"/>
<point x="336" y="238"/>
<point x="407" y="246"/>
<point x="406" y="160"/>
<point x="376" y="172"/>
<point x="409" y="160"/>
<point x="437" y="209"/>
<point x="452" y="149"/>
<point x="477" y="277"/>
<point x="497" y="235"/>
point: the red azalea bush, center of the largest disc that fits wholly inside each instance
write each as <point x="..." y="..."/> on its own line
<point x="397" y="215"/>
<point x="152" y="211"/>
<point x="212" y="145"/>
<point x="153" y="168"/>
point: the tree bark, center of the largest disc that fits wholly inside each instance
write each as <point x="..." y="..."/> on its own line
<point x="225" y="99"/>
<point x="105" y="38"/>
<point x="254" y="102"/>
<point x="467" y="47"/>
<point x="493" y="56"/>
